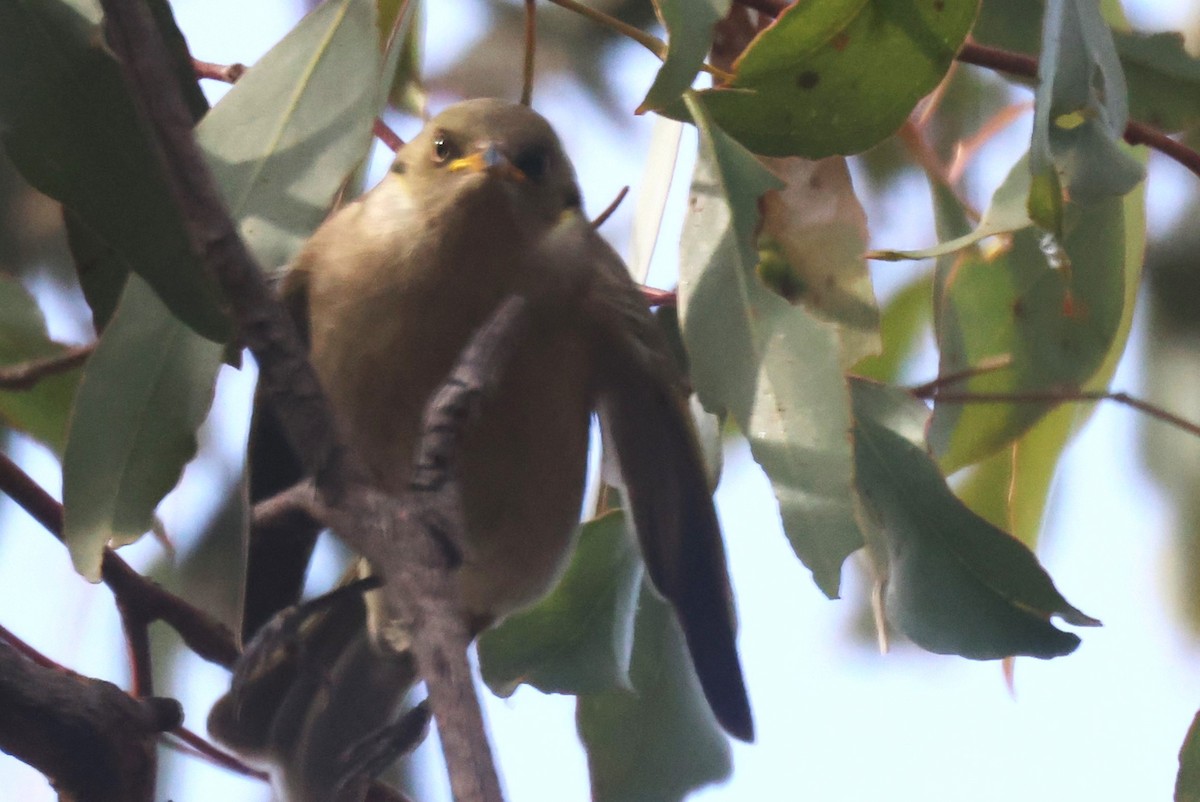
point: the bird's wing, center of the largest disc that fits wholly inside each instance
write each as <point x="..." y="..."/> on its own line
<point x="642" y="401"/>
<point x="277" y="558"/>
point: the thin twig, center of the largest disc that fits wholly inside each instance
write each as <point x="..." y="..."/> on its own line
<point x="27" y="374"/>
<point x="225" y="73"/>
<point x="1066" y="395"/>
<point x="387" y="136"/>
<point x="602" y="218"/>
<point x="530" y="50"/>
<point x="935" y="385"/>
<point x="214" y="754"/>
<point x="652" y="43"/>
<point x="137" y="640"/>
<point x="966" y="149"/>
<point x="203" y="634"/>
<point x="994" y="58"/>
<point x="656" y="297"/>
<point x="1136" y="133"/>
<point x="231" y="73"/>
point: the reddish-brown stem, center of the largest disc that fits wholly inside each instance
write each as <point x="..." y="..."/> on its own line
<point x="13" y="640"/>
<point x="933" y="386"/>
<point x="656" y="297"/>
<point x="530" y="50"/>
<point x="232" y="72"/>
<point x="204" y="635"/>
<point x="387" y="136"/>
<point x="225" y="73"/>
<point x="993" y="58"/>
<point x="1064" y="395"/>
<point x="27" y="374"/>
<point x="214" y="755"/>
<point x="612" y="207"/>
<point x="1136" y="133"/>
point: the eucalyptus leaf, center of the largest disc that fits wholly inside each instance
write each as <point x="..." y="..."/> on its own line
<point x="1187" y="782"/>
<point x="40" y="411"/>
<point x="773" y="366"/>
<point x="659" y="741"/>
<point x="280" y="143"/>
<point x="578" y="639"/>
<point x="956" y="583"/>
<point x="838" y="76"/>
<point x="1081" y="106"/>
<point x="689" y="25"/>
<point x="1045" y="313"/>
<point x="814" y="231"/>
<point x="146" y="389"/>
<point x="71" y="127"/>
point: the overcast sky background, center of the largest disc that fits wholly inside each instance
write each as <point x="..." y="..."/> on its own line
<point x="835" y="720"/>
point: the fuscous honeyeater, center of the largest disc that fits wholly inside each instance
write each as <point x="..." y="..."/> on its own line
<point x="483" y="203"/>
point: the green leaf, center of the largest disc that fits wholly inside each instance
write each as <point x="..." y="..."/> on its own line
<point x="1005" y="214"/>
<point x="1053" y="317"/>
<point x="280" y="144"/>
<point x="146" y="389"/>
<point x="577" y="639"/>
<point x="1011" y="488"/>
<point x="283" y="140"/>
<point x="402" y="62"/>
<point x="689" y="24"/>
<point x="956" y="583"/>
<point x="1164" y="79"/>
<point x="905" y="318"/>
<point x="1081" y="107"/>
<point x="1187" y="782"/>
<point x="659" y="741"/>
<point x="73" y="130"/>
<point x="838" y="76"/>
<point x="817" y="229"/>
<point x="771" y="365"/>
<point x="40" y="411"/>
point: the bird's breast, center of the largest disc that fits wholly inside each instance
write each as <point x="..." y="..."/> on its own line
<point x="385" y="338"/>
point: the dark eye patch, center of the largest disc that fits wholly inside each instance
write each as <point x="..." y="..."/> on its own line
<point x="534" y="162"/>
<point x="444" y="148"/>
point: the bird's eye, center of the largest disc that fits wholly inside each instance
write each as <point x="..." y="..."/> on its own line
<point x="443" y="148"/>
<point x="533" y="162"/>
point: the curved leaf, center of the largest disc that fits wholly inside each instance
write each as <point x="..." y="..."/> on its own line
<point x="577" y="639"/>
<point x="283" y="140"/>
<point x="70" y="125"/>
<point x="659" y="741"/>
<point x="818" y="228"/>
<point x="146" y="389"/>
<point x="40" y="411"/>
<point x="1081" y="106"/>
<point x="956" y="583"/>
<point x="1053" y="316"/>
<point x="689" y="24"/>
<point x="771" y="365"/>
<point x="838" y="76"/>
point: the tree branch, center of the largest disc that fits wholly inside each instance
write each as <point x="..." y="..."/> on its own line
<point x="1058" y="396"/>
<point x="92" y="740"/>
<point x="28" y="374"/>
<point x="1136" y="133"/>
<point x="203" y="634"/>
<point x="371" y="522"/>
<point x="993" y="58"/>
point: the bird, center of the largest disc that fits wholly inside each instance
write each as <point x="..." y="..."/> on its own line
<point x="481" y="205"/>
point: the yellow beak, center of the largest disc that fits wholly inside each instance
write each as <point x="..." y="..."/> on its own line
<point x="488" y="158"/>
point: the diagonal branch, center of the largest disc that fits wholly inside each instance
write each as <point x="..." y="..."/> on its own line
<point x="203" y="634"/>
<point x="372" y="523"/>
